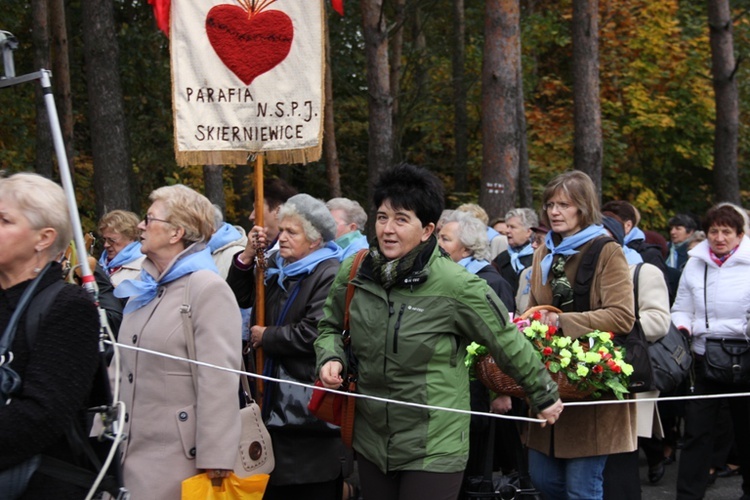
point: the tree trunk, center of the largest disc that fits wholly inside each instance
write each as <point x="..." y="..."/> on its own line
<point x="61" y="75"/>
<point x="109" y="143"/>
<point x="460" y="118"/>
<point x="396" y="47"/>
<point x="525" y="193"/>
<point x="40" y="38"/>
<point x="380" y="148"/>
<point x="330" y="153"/>
<point x="500" y="95"/>
<point x="724" y="70"/>
<point x="213" y="183"/>
<point x="419" y="41"/>
<point x="587" y="116"/>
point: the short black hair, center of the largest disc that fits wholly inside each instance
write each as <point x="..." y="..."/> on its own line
<point x="683" y="220"/>
<point x="276" y="192"/>
<point x="621" y="209"/>
<point x="409" y="187"/>
<point x="724" y="215"/>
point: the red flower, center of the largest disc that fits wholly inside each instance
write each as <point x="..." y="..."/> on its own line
<point x="537" y="316"/>
<point x="597" y="369"/>
<point x="551" y="330"/>
<point x="611" y="336"/>
<point x="614" y="366"/>
<point x="605" y="355"/>
<point x="547" y="351"/>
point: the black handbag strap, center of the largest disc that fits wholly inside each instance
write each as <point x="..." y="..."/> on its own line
<point x="705" y="295"/>
<point x="6" y="341"/>
<point x="636" y="273"/>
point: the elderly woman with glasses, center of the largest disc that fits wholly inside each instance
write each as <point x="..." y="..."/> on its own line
<point x="175" y="428"/>
<point x="308" y="451"/>
<point x="569" y="462"/>
<point x="122" y="258"/>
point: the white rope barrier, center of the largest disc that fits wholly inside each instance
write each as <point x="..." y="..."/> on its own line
<point x="439" y="408"/>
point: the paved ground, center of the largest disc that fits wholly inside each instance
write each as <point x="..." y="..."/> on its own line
<point x="723" y="489"/>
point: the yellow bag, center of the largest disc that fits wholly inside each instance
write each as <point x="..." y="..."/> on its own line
<point x="232" y="488"/>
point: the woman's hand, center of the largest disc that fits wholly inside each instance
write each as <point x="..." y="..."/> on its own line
<point x="549" y="318"/>
<point x="330" y="374"/>
<point x="256" y="239"/>
<point x="552" y="413"/>
<point x="501" y="405"/>
<point x="217" y="475"/>
<point x="256" y="335"/>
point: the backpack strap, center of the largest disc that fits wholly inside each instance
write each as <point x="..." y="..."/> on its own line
<point x="38" y="308"/>
<point x="636" y="273"/>
<point x="359" y="257"/>
<point x="585" y="274"/>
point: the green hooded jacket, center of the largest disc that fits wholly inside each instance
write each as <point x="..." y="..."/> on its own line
<point x="410" y="344"/>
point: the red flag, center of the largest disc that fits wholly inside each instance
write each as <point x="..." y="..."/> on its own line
<point x="161" y="13"/>
<point x="338" y="6"/>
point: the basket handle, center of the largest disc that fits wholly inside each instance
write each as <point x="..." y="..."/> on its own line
<point x="531" y="310"/>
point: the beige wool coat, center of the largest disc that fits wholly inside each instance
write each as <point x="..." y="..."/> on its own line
<point x="590" y="430"/>
<point x="171" y="432"/>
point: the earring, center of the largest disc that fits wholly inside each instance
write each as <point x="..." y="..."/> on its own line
<point x="37" y="269"/>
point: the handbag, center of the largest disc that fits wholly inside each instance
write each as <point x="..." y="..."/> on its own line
<point x="255" y="451"/>
<point x="335" y="408"/>
<point x="671" y="360"/>
<point x="727" y="360"/>
<point x="200" y="487"/>
<point x="636" y="348"/>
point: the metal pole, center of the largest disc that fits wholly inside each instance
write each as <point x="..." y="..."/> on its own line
<point x="87" y="277"/>
<point x="260" y="290"/>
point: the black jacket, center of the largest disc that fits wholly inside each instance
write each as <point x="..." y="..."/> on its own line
<point x="502" y="264"/>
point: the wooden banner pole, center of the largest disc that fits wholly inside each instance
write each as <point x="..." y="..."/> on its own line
<point x="260" y="290"/>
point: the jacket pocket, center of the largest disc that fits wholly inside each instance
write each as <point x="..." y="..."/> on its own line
<point x="186" y="426"/>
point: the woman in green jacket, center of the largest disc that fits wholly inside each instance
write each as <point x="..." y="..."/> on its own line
<point x="412" y="314"/>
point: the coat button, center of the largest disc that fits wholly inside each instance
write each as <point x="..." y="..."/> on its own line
<point x="192" y="452"/>
<point x="161" y="291"/>
<point x="127" y="417"/>
<point x="255" y="451"/>
<point x="130" y="378"/>
<point x="135" y="338"/>
<point x="182" y="416"/>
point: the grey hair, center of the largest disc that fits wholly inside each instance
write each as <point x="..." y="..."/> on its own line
<point x="472" y="233"/>
<point x="289" y="210"/>
<point x="218" y="217"/>
<point x="526" y="216"/>
<point x="353" y="211"/>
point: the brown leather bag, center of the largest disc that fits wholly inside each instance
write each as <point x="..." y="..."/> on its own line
<point x="338" y="409"/>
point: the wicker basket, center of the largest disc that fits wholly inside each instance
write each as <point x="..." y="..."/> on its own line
<point x="493" y="378"/>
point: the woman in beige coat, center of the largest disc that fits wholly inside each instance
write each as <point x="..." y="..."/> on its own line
<point x="174" y="433"/>
<point x="567" y="460"/>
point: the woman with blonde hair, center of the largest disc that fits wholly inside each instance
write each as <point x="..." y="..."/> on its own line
<point x="56" y="363"/>
<point x="175" y="429"/>
<point x="122" y="258"/>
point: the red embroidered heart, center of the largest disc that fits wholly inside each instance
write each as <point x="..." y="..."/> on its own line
<point x="249" y="46"/>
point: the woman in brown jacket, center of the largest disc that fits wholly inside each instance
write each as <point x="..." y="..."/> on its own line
<point x="173" y="431"/>
<point x="567" y="459"/>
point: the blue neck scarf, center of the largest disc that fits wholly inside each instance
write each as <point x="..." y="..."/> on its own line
<point x="491" y="233"/>
<point x="568" y="246"/>
<point x="515" y="256"/>
<point x="127" y="254"/>
<point x="354" y="247"/>
<point x="227" y="233"/>
<point x="143" y="290"/>
<point x="473" y="265"/>
<point x="632" y="256"/>
<point x="304" y="266"/>
<point x="634" y="234"/>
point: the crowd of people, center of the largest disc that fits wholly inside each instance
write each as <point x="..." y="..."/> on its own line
<point x="432" y="282"/>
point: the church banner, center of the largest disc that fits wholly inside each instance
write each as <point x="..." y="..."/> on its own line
<point x="247" y="76"/>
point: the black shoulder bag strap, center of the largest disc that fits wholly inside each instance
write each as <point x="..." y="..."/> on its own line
<point x="585" y="274"/>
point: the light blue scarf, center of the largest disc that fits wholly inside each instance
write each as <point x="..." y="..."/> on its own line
<point x="304" y="266"/>
<point x="127" y="254"/>
<point x="473" y="265"/>
<point x="568" y="246"/>
<point x="491" y="233"/>
<point x="634" y="234"/>
<point x="352" y="244"/>
<point x="515" y="256"/>
<point x="144" y="290"/>
<point x="632" y="256"/>
<point x="227" y="233"/>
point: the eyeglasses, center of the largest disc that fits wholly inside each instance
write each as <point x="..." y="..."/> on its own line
<point x="148" y="219"/>
<point x="560" y="206"/>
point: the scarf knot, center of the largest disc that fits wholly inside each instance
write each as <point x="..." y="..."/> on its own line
<point x="303" y="266"/>
<point x="516" y="254"/>
<point x="144" y="290"/>
<point x="567" y="246"/>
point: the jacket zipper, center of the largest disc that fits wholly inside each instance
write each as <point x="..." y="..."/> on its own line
<point x="497" y="310"/>
<point x="397" y="327"/>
